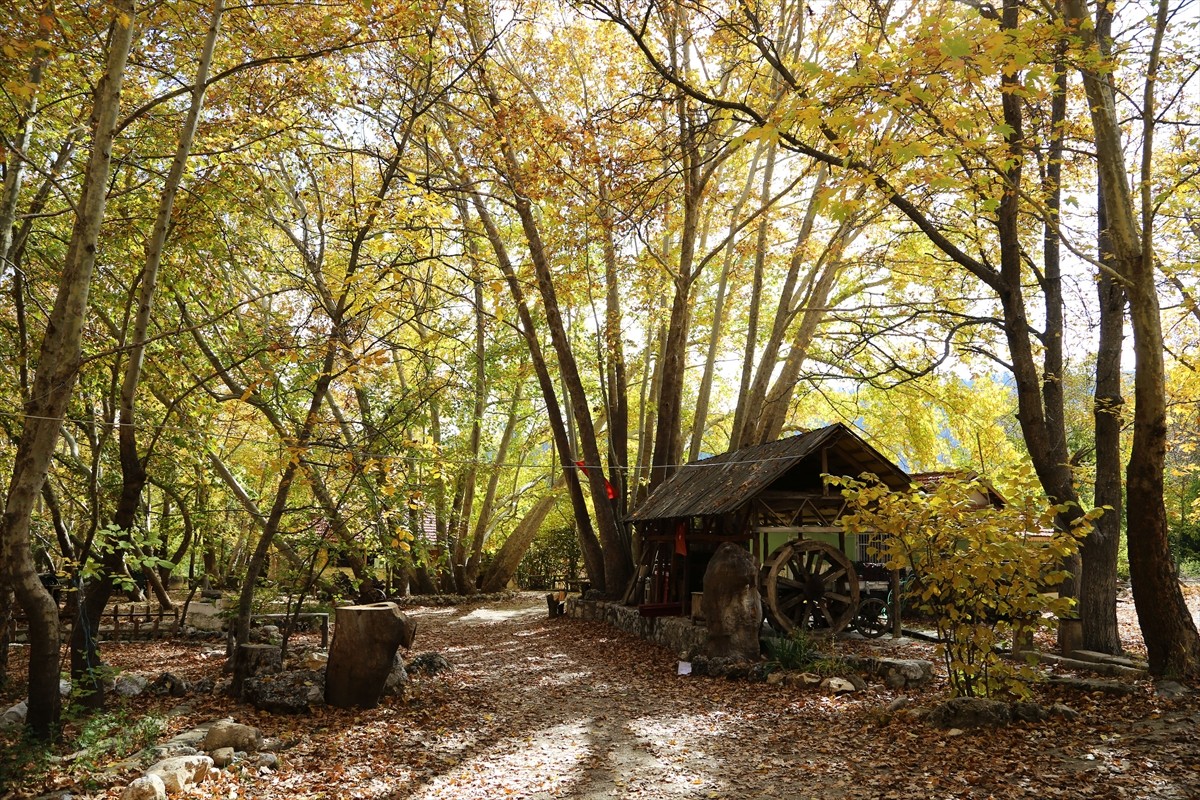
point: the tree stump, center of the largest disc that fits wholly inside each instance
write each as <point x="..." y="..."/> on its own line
<point x="365" y="639"/>
<point x="251" y="660"/>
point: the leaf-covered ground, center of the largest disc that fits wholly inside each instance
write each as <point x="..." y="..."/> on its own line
<point x="560" y="708"/>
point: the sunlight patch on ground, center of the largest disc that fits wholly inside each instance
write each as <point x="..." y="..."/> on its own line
<point x="693" y="727"/>
<point x="536" y="766"/>
<point x="681" y="744"/>
<point x="564" y="678"/>
<point x="430" y="611"/>
<point x="494" y="615"/>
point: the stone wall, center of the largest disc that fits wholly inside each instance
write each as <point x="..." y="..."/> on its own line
<point x="678" y="634"/>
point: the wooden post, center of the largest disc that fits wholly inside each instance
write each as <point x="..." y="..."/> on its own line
<point x="1070" y="635"/>
<point x="894" y="611"/>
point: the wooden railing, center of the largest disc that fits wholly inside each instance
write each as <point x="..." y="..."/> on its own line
<point x="119" y="622"/>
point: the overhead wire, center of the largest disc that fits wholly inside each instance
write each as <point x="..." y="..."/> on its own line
<point x="416" y="459"/>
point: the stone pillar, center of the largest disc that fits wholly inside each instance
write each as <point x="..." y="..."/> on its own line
<point x="732" y="605"/>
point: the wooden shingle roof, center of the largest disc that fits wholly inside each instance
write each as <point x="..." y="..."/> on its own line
<point x="722" y="484"/>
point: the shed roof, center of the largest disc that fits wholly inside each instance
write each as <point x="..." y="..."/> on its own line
<point x="988" y="495"/>
<point x="723" y="483"/>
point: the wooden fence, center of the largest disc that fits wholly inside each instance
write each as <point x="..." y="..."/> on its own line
<point x="120" y="622"/>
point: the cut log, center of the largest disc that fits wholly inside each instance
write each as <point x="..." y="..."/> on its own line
<point x="1111" y="670"/>
<point x="365" y="639"/>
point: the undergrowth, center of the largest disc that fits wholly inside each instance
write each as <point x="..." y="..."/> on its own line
<point x="798" y="653"/>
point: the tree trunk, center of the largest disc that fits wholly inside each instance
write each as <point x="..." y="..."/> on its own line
<point x="484" y="521"/>
<point x="462" y="551"/>
<point x="57" y="370"/>
<point x="742" y="412"/>
<point x="133" y="467"/>
<point x="1099" y="552"/>
<point x="617" y="396"/>
<point x="15" y="155"/>
<point x="651" y="380"/>
<point x="505" y="564"/>
<point x="700" y="418"/>
<point x="6" y="617"/>
<point x="593" y="552"/>
<point x="1172" y="643"/>
<point x="1098" y="577"/>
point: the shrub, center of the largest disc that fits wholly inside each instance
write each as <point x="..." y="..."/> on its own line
<point x="794" y="652"/>
<point x="983" y="574"/>
<point x="113" y="732"/>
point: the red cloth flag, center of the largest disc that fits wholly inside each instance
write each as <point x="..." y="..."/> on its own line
<point x="612" y="493"/>
<point x="681" y="538"/>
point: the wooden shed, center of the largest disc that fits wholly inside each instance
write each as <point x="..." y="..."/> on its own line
<point x="761" y="497"/>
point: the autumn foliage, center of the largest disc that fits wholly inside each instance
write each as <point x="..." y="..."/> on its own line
<point x="985" y="574"/>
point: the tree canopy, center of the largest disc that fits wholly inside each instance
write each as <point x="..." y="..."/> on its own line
<point x="390" y="284"/>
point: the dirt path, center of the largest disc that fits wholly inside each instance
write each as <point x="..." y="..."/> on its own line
<point x="539" y="708"/>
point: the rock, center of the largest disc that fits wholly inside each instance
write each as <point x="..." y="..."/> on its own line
<point x="130" y="684"/>
<point x="803" y="680"/>
<point x="147" y="787"/>
<point x="222" y="757"/>
<point x="264" y="634"/>
<point x="397" y="679"/>
<point x="430" y="663"/>
<point x="116" y="769"/>
<point x="727" y="667"/>
<point x="758" y="672"/>
<point x="1064" y="711"/>
<point x="1092" y="685"/>
<point x="970" y="712"/>
<point x="192" y="738"/>
<point x="837" y="686"/>
<point x="1171" y="690"/>
<point x="316" y="660"/>
<point x="731" y="604"/>
<point x="181" y="772"/>
<point x="253" y="660"/>
<point x="897" y="673"/>
<point x="1028" y="712"/>
<point x="205" y="616"/>
<point x="171" y="750"/>
<point x="775" y="678"/>
<point x="898" y="704"/>
<point x="286" y="693"/>
<point x="169" y="684"/>
<point x="231" y="734"/>
<point x="268" y="760"/>
<point x="14" y="717"/>
<point x="365" y="639"/>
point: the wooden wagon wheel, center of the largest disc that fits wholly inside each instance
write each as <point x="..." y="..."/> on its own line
<point x="808" y="585"/>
